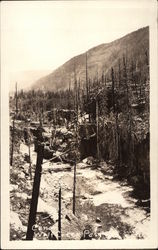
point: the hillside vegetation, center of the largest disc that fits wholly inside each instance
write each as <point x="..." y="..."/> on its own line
<point x="100" y="59"/>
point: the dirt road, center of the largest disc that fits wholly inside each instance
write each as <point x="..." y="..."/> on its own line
<point x="104" y="206"/>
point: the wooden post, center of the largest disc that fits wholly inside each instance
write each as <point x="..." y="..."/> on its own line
<point x="35" y="192"/>
<point x="59" y="216"/>
<point x="97" y="128"/>
<point x="12" y="146"/>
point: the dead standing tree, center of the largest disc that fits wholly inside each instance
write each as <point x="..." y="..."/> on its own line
<point x="13" y="127"/>
<point x="129" y="114"/>
<point x="30" y="160"/>
<point x="97" y="101"/>
<point x="36" y="186"/>
<point x="16" y="100"/>
<point x="115" y="110"/>
<point x="12" y="143"/>
<point x="76" y="139"/>
<point x="97" y="127"/>
<point x="29" y="144"/>
<point x="59" y="216"/>
<point x="87" y="86"/>
<point x="27" y="138"/>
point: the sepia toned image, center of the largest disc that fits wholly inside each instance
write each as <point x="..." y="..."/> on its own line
<point x="79" y="95"/>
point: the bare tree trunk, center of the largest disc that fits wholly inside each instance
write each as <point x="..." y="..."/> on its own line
<point x="35" y="193"/>
<point x="12" y="145"/>
<point x="40" y="120"/>
<point x="75" y="166"/>
<point x="87" y="86"/>
<point x="117" y="140"/>
<point x="87" y="80"/>
<point x="79" y="97"/>
<point x="76" y="135"/>
<point x="132" y="79"/>
<point x="74" y="190"/>
<point x="119" y="74"/>
<point x="16" y="100"/>
<point x="129" y="116"/>
<point x="113" y="89"/>
<point x="69" y="86"/>
<point x="115" y="106"/>
<point x="59" y="216"/>
<point x="30" y="160"/>
<point x="97" y="128"/>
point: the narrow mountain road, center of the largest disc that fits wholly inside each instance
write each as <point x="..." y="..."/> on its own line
<point x="103" y="205"/>
<point x="110" y="201"/>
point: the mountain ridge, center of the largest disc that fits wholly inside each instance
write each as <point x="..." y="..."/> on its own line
<point x="100" y="59"/>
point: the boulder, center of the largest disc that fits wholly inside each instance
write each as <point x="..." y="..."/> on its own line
<point x="89" y="160"/>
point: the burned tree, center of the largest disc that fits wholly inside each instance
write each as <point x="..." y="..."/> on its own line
<point x="35" y="192"/>
<point x="59" y="216"/>
<point x="76" y="138"/>
<point x="16" y="100"/>
<point x="115" y="111"/>
<point x="129" y="115"/>
<point x="12" y="143"/>
<point x="87" y="83"/>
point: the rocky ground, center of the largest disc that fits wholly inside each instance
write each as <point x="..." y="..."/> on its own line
<point x="104" y="205"/>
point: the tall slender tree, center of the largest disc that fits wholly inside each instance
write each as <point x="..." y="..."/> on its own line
<point x="16" y="99"/>
<point x="35" y="193"/>
<point x="115" y="111"/>
<point x="87" y="87"/>
<point x="59" y="216"/>
<point x="97" y="127"/>
<point x="129" y="114"/>
<point x="12" y="144"/>
<point x="76" y="138"/>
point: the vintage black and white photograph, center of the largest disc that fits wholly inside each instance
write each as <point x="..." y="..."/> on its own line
<point x="79" y="82"/>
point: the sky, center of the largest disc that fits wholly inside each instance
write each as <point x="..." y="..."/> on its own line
<point x="42" y="35"/>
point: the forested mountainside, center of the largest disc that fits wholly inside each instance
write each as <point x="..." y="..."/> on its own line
<point x="100" y="59"/>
